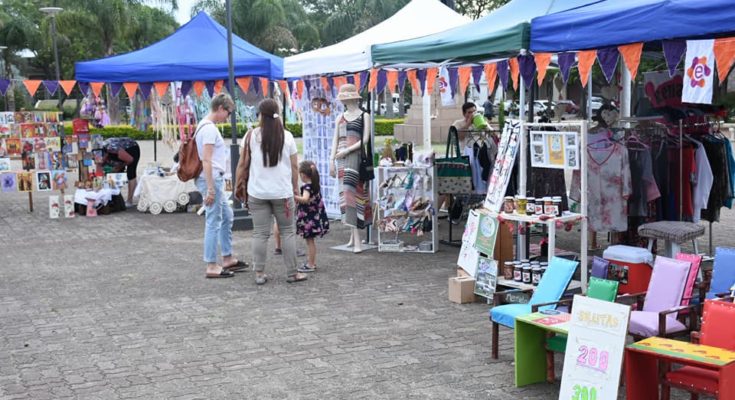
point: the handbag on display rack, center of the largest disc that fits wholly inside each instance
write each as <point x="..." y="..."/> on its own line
<point x="454" y="174"/>
<point x="366" y="171"/>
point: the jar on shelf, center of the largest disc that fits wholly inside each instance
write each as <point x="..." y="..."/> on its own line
<point x="526" y="273"/>
<point x="508" y="268"/>
<point x="549" y="206"/>
<point x="535" y="275"/>
<point x="508" y="204"/>
<point x="521" y="205"/>
<point x="531" y="206"/>
<point x="556" y="200"/>
<point x="539" y="206"/>
<point x="518" y="273"/>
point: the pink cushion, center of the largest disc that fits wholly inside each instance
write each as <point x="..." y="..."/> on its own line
<point x="700" y="379"/>
<point x="695" y="261"/>
<point x="643" y="323"/>
<point x="667" y="284"/>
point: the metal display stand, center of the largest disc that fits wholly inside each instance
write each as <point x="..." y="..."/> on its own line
<point x="391" y="182"/>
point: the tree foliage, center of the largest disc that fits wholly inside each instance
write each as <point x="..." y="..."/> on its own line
<point x="477" y="8"/>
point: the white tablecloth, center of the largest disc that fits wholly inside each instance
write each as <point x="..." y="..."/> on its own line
<point x="160" y="189"/>
<point x="100" y="197"/>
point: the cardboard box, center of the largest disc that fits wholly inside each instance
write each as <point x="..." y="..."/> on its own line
<point x="462" y="290"/>
<point x="462" y="273"/>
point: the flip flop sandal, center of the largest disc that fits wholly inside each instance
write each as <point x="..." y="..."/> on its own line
<point x="237" y="267"/>
<point x="306" y="269"/>
<point x="223" y="274"/>
<point x="278" y="252"/>
<point x="294" y="279"/>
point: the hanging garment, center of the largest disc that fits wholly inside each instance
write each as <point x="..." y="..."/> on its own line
<point x="702" y="182"/>
<point x="682" y="185"/>
<point x="608" y="188"/>
<point x="478" y="184"/>
<point x="661" y="171"/>
<point x="643" y="183"/>
<point x="720" y="192"/>
<point x="731" y="173"/>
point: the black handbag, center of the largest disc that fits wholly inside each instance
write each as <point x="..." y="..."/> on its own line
<point x="366" y="171"/>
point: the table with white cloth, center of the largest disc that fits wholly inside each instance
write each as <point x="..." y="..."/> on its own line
<point x="162" y="193"/>
<point x="101" y="197"/>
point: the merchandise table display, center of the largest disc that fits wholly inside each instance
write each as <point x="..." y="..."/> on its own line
<point x="405" y="210"/>
<point x="162" y="193"/>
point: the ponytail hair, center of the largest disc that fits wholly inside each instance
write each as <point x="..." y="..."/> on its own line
<point x="308" y="168"/>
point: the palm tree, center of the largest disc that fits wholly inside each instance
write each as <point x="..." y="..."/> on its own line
<point x="17" y="32"/>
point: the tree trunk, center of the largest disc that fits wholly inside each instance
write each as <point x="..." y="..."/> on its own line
<point x="401" y="104"/>
<point x="10" y="94"/>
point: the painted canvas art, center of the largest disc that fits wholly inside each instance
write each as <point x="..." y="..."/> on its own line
<point x="43" y="181"/>
<point x="5" y="164"/>
<point x="25" y="181"/>
<point x="54" y="208"/>
<point x="8" y="182"/>
<point x="59" y="179"/>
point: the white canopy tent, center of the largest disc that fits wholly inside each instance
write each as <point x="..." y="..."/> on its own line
<point x="418" y="18"/>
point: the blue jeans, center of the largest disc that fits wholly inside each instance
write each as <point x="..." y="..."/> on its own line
<point x="218" y="226"/>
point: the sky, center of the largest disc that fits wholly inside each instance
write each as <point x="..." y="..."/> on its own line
<point x="183" y="14"/>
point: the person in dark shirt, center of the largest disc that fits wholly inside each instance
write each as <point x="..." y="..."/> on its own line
<point x="488" y="109"/>
<point x="122" y="154"/>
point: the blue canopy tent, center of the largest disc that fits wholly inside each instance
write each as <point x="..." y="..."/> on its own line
<point x="618" y="22"/>
<point x="197" y="51"/>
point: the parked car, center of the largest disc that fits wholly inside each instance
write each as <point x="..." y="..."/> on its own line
<point x="570" y="107"/>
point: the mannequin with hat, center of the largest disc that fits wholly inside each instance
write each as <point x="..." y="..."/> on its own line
<point x="352" y="131"/>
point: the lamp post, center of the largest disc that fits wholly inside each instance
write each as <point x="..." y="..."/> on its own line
<point x="51" y="12"/>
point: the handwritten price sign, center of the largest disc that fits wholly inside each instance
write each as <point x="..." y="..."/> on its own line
<point x="595" y="348"/>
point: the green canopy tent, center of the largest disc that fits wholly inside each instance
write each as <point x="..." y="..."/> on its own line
<point x="500" y="34"/>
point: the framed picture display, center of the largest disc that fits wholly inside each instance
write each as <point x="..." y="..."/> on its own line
<point x="554" y="149"/>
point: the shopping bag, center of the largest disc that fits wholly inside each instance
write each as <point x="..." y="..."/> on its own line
<point x="454" y="174"/>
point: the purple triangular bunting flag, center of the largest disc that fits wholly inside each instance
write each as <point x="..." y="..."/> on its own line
<point x="477" y="76"/>
<point x="307" y="85"/>
<point x="186" y="88"/>
<point x="453" y="80"/>
<point x="115" y="88"/>
<point x="608" y="59"/>
<point x="421" y="75"/>
<point x="382" y="81"/>
<point x="210" y="87"/>
<point x="673" y="52"/>
<point x="503" y="73"/>
<point x="4" y="85"/>
<point x="83" y="87"/>
<point x="145" y="89"/>
<point x="401" y="81"/>
<point x="351" y="80"/>
<point x="51" y="86"/>
<point x="527" y="66"/>
<point x="332" y="89"/>
<point x="566" y="61"/>
<point x="363" y="80"/>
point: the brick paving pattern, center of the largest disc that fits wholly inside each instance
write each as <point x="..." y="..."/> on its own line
<point x="117" y="307"/>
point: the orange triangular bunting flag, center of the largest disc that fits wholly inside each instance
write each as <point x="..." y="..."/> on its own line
<point x="464" y="79"/>
<point x="411" y="76"/>
<point x="199" y="88"/>
<point x="32" y="86"/>
<point x="244" y="84"/>
<point x="284" y="87"/>
<point x="339" y="81"/>
<point x="632" y="55"/>
<point x="724" y="56"/>
<point x="542" y="64"/>
<point x="391" y="78"/>
<point x="68" y="86"/>
<point x="373" y="83"/>
<point x="431" y="74"/>
<point x="300" y="89"/>
<point x="264" y="86"/>
<point x="586" y="60"/>
<point x="130" y="88"/>
<point x="161" y="88"/>
<point x="96" y="88"/>
<point x="218" y="85"/>
<point x="515" y="71"/>
<point x="491" y="75"/>
<point x="358" y="81"/>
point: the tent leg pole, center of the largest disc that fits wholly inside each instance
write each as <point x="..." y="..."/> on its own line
<point x="626" y="105"/>
<point x="521" y="238"/>
<point x="426" y="104"/>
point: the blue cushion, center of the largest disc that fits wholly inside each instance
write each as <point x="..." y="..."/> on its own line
<point x="554" y="282"/>
<point x="507" y="313"/>
<point x="723" y="272"/>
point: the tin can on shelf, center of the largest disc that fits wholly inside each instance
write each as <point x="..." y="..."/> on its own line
<point x="527" y="273"/>
<point x="535" y="275"/>
<point x="521" y="205"/>
<point x="508" y="204"/>
<point x="508" y="268"/>
<point x="531" y="206"/>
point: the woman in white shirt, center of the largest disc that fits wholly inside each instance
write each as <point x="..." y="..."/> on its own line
<point x="215" y="156"/>
<point x="272" y="183"/>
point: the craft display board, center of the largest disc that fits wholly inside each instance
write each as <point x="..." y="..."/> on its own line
<point x="478" y="249"/>
<point x="486" y="277"/>
<point x="500" y="177"/>
<point x="554" y="149"/>
<point x="595" y="347"/>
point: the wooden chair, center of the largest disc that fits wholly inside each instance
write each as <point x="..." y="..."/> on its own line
<point x="717" y="331"/>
